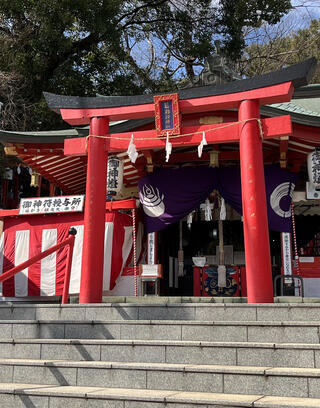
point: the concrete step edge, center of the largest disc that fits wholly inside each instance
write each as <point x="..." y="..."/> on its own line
<point x="162" y="396"/>
<point x="260" y="323"/>
<point x="170" y="343"/>
<point x="264" y="371"/>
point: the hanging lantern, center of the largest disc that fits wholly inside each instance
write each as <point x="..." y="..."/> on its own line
<point x="313" y="161"/>
<point x="8" y="174"/>
<point x="35" y="179"/>
<point x="114" y="176"/>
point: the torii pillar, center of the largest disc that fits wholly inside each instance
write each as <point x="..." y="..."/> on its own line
<point x="94" y="213"/>
<point x="254" y="206"/>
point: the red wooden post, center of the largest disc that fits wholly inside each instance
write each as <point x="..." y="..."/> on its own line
<point x="254" y="206"/>
<point x="94" y="214"/>
<point x="38" y="192"/>
<point x="67" y="274"/>
<point x="52" y="188"/>
<point x="197" y="281"/>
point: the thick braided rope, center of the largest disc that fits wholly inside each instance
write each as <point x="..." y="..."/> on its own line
<point x="296" y="256"/>
<point x="180" y="136"/>
<point x="134" y="252"/>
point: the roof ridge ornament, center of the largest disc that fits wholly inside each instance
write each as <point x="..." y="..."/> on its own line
<point x="218" y="69"/>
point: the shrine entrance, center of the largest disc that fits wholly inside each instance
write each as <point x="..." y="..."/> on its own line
<point x="172" y="131"/>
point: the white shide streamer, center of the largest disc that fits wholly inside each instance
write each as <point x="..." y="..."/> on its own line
<point x="223" y="212"/>
<point x="168" y="148"/>
<point x="207" y="210"/>
<point x="132" y="151"/>
<point x="202" y="143"/>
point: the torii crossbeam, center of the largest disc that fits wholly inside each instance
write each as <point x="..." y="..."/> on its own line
<point x="246" y="96"/>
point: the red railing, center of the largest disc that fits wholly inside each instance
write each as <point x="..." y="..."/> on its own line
<point x="70" y="242"/>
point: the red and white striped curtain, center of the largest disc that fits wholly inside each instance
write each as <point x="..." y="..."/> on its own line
<point x="26" y="236"/>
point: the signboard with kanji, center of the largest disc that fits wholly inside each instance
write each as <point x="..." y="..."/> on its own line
<point x="51" y="205"/>
<point x="167" y="114"/>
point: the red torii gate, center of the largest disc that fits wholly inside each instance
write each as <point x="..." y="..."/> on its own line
<point x="248" y="95"/>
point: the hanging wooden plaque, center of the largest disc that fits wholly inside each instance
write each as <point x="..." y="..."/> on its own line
<point x="167" y="114"/>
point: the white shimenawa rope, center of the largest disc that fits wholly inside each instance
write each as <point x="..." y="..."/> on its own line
<point x="132" y="151"/>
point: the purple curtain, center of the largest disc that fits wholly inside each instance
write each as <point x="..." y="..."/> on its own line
<point x="168" y="195"/>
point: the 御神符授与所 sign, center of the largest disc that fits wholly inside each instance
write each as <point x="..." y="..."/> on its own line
<point x="51" y="205"/>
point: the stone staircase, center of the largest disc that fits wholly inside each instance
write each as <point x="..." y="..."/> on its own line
<point x="187" y="355"/>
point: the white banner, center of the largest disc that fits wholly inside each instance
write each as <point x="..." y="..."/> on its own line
<point x="51" y="205"/>
<point x="151" y="248"/>
<point x="286" y="255"/>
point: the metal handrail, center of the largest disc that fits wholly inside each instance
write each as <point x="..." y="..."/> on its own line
<point x="292" y="277"/>
<point x="70" y="242"/>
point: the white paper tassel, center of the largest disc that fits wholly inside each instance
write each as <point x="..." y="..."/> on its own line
<point x="132" y="151"/>
<point x="223" y="213"/>
<point x="180" y="263"/>
<point x="168" y="148"/>
<point x="189" y="219"/>
<point x="222" y="276"/>
<point x="207" y="211"/>
<point x="202" y="143"/>
<point x="19" y="169"/>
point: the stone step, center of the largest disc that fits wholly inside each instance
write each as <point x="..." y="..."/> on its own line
<point x="286" y="382"/>
<point x="164" y="351"/>
<point x="269" y="332"/>
<point x="19" y="395"/>
<point x="181" y="311"/>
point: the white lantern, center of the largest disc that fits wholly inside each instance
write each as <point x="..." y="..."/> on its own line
<point x="314" y="168"/>
<point x="114" y="176"/>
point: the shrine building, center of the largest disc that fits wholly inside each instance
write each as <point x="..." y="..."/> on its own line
<point x="215" y="188"/>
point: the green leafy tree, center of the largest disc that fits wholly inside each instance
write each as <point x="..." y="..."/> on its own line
<point x="283" y="49"/>
<point x="114" y="47"/>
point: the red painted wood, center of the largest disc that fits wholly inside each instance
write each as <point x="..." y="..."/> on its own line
<point x="268" y="95"/>
<point x="38" y="193"/>
<point x="121" y="205"/>
<point x="110" y="206"/>
<point x="35" y="259"/>
<point x="272" y="127"/>
<point x="94" y="214"/>
<point x="9" y="213"/>
<point x="197" y="281"/>
<point x="254" y="206"/>
<point x="75" y="147"/>
<point x="52" y="189"/>
<point x="53" y="179"/>
<point x="67" y="274"/>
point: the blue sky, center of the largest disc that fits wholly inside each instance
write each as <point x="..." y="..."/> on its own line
<point x="304" y="11"/>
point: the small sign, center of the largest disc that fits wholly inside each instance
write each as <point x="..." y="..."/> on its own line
<point x="150" y="271"/>
<point x="114" y="176"/>
<point x="51" y="205"/>
<point x="167" y="114"/>
<point x="151" y="248"/>
<point x="286" y="255"/>
<point x="306" y="259"/>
